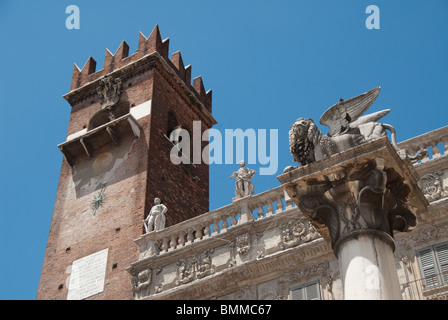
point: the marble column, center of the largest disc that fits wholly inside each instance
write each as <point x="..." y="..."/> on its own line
<point x="356" y="199"/>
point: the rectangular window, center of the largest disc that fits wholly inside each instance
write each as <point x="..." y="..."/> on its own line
<point x="309" y="291"/>
<point x="434" y="265"/>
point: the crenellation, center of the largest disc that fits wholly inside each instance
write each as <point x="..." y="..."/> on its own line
<point x="114" y="61"/>
<point x="178" y="62"/>
<point x="146" y="46"/>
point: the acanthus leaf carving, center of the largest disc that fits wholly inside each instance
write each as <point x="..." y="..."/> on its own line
<point x="366" y="196"/>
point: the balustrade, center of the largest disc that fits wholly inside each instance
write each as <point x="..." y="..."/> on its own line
<point x="436" y="142"/>
<point x="218" y="221"/>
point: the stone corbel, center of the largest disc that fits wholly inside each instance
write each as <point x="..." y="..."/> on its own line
<point x="113" y="136"/>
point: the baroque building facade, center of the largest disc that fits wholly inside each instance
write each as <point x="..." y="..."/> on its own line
<point x="276" y="253"/>
<point x="259" y="247"/>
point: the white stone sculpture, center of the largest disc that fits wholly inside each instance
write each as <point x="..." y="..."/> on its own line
<point x="348" y="128"/>
<point x="156" y="218"/>
<point x="244" y="187"/>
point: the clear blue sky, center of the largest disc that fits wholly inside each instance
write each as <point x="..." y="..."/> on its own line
<point x="268" y="63"/>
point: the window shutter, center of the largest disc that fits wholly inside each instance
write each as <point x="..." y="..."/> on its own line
<point x="312" y="292"/>
<point x="442" y="257"/>
<point x="297" y="294"/>
<point x="427" y="263"/>
<point x="307" y="292"/>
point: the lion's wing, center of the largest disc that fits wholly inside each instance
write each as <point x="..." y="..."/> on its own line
<point x="339" y="116"/>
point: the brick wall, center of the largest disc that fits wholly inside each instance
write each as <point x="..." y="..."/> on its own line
<point x="134" y="173"/>
<point x="174" y="184"/>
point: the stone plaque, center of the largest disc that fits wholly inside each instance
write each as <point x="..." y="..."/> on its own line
<point x="87" y="276"/>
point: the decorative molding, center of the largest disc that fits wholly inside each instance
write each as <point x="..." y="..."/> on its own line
<point x="305" y="272"/>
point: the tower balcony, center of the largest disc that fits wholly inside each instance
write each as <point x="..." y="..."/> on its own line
<point x="86" y="142"/>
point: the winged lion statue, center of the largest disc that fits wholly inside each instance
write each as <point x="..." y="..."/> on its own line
<point x="348" y="126"/>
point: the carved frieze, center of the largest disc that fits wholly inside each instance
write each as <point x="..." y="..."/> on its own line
<point x="428" y="233"/>
<point x="305" y="272"/>
<point x="297" y="231"/>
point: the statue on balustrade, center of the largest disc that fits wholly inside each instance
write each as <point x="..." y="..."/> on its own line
<point x="244" y="187"/>
<point x="156" y="218"/>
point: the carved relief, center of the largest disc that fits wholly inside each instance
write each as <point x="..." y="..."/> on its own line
<point x="205" y="267"/>
<point x="185" y="274"/>
<point x="243" y="243"/>
<point x="432" y="186"/>
<point x="297" y="231"/>
<point x="140" y="283"/>
<point x="109" y="90"/>
<point x="198" y="267"/>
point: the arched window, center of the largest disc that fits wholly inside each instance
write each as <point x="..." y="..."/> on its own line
<point x="106" y="115"/>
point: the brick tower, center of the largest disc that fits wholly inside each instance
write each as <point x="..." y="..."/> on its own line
<point x="116" y="161"/>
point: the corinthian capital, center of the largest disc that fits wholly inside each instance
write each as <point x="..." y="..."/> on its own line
<point x="374" y="191"/>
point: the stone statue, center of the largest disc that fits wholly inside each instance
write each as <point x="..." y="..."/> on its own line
<point x="348" y="128"/>
<point x="156" y="218"/>
<point x="244" y="187"/>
